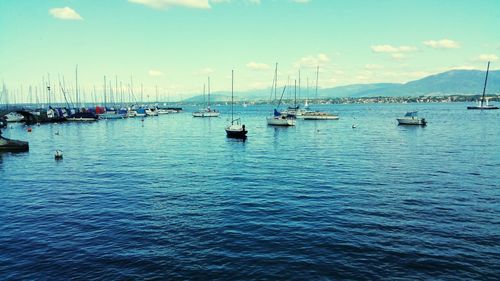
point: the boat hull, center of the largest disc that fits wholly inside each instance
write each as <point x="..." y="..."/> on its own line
<point x="111" y="116"/>
<point x="206" y="114"/>
<point x="412" y="121"/>
<point x="80" y="119"/>
<point x="236" y="134"/>
<point x="151" y="112"/>
<point x="163" y="111"/>
<point x="320" y="117"/>
<point x="280" y="121"/>
<point x="489" y="107"/>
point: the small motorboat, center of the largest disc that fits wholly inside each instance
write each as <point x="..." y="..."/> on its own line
<point x="411" y="118"/>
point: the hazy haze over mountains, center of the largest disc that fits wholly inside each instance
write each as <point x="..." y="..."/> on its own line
<point x="461" y="82"/>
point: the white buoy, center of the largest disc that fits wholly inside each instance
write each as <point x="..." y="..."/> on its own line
<point x="57" y="133"/>
<point x="58" y="155"/>
<point x="353" y="126"/>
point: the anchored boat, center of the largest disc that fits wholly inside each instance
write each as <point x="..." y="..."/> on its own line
<point x="207" y="112"/>
<point x="483" y="104"/>
<point x="279" y="118"/>
<point x="411" y="118"/>
<point x="235" y="129"/>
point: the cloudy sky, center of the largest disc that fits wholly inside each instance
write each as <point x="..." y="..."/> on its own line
<point x="176" y="44"/>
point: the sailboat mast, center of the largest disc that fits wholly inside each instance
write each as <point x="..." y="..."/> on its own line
<point x="317" y="75"/>
<point x="132" y="88"/>
<point x="48" y="89"/>
<point x="485" y="81"/>
<point x="111" y="96"/>
<point x="208" y="92"/>
<point x="275" y="79"/>
<point x="307" y="87"/>
<point x="299" y="83"/>
<point x="76" y="85"/>
<point x="295" y="93"/>
<point x="116" y="90"/>
<point x="232" y="95"/>
<point x="105" y="100"/>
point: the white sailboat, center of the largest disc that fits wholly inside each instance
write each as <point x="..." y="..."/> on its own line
<point x="484" y="103"/>
<point x="207" y="112"/>
<point x="235" y="129"/>
<point x="318" y="115"/>
<point x="294" y="111"/>
<point x="277" y="118"/>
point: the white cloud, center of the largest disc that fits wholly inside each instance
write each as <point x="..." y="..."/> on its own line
<point x="488" y="57"/>
<point x="392" y="49"/>
<point x="313" y="61"/>
<point x="464" y="67"/>
<point x="441" y="44"/>
<point x="65" y="13"/>
<point x="258" y="66"/>
<point x="363" y="78"/>
<point x="154" y="72"/>
<point x="399" y="56"/>
<point x="165" y="4"/>
<point x="372" y="66"/>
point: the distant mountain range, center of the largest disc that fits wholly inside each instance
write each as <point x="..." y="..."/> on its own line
<point x="454" y="82"/>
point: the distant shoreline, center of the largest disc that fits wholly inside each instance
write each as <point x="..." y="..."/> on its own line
<point x="340" y="100"/>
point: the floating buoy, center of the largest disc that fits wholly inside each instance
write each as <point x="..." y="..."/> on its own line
<point x="142" y="120"/>
<point x="29" y="130"/>
<point x="57" y="133"/>
<point x="58" y="155"/>
<point x="353" y="126"/>
<point x="38" y="124"/>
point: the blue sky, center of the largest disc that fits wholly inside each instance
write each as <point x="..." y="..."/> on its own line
<point x="176" y="44"/>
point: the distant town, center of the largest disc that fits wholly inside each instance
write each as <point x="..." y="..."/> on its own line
<point x="365" y="100"/>
<point x="338" y="100"/>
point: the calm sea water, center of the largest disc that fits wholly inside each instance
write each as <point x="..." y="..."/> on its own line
<point x="173" y="198"/>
